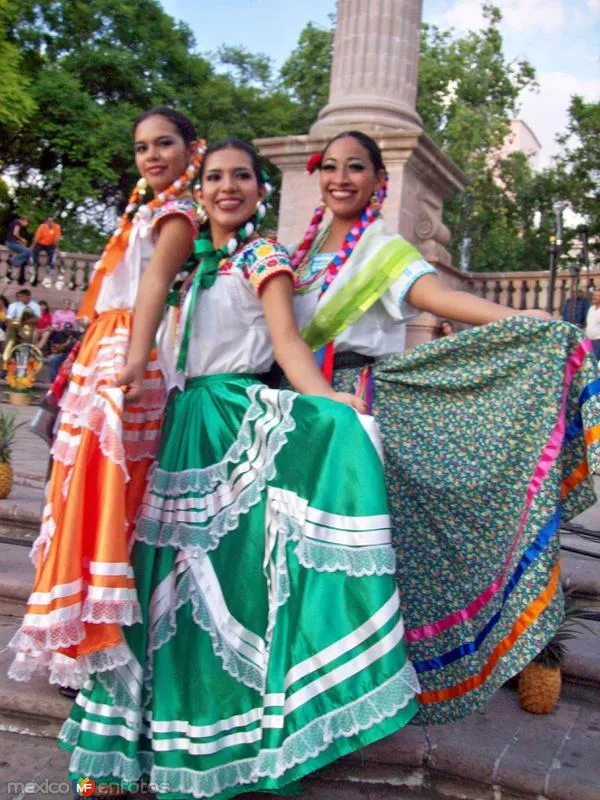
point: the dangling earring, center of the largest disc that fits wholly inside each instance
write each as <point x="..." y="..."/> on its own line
<point x="202" y="215"/>
<point x="375" y="201"/>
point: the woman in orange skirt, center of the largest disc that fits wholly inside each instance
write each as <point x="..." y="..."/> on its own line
<point x="84" y="589"/>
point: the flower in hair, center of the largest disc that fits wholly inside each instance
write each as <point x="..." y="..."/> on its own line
<point x="314" y="162"/>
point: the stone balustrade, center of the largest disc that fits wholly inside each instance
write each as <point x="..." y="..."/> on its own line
<point x="70" y="279"/>
<point x="519" y="290"/>
<point x="522" y="290"/>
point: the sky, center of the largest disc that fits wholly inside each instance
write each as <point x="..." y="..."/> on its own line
<point x="561" y="38"/>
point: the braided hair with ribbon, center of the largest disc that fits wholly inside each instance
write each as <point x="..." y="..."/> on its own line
<point x="117" y="244"/>
<point x="207" y="257"/>
<point x="370" y="213"/>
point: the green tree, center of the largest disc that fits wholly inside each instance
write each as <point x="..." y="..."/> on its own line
<point x="577" y="169"/>
<point x="16" y="103"/>
<point x="92" y="69"/>
<point x="468" y="95"/>
<point x="306" y="73"/>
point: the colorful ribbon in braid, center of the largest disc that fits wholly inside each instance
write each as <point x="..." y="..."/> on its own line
<point x="325" y="355"/>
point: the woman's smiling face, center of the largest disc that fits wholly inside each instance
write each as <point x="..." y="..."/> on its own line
<point x="161" y="155"/>
<point x="230" y="191"/>
<point x="348" y="178"/>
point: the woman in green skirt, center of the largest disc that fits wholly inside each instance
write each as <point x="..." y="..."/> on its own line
<point x="271" y="641"/>
<point x="489" y="436"/>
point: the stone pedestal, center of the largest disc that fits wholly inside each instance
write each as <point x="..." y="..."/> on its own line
<point x="375" y="67"/>
<point x="374" y="89"/>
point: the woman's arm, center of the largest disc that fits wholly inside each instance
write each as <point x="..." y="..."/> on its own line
<point x="174" y="245"/>
<point x="292" y="353"/>
<point x="428" y="293"/>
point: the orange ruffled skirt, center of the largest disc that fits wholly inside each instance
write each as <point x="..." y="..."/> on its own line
<point x="84" y="589"/>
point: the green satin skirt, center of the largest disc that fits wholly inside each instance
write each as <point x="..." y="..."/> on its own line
<point x="272" y="641"/>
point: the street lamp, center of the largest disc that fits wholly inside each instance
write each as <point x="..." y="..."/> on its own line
<point x="554" y="249"/>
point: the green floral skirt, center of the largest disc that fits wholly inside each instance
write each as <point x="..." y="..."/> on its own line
<point x="489" y="439"/>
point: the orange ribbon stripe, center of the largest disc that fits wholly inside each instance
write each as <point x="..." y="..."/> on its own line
<point x="527" y="618"/>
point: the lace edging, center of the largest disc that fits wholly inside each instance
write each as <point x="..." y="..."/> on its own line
<point x="364" y="713"/>
<point x="356" y="562"/>
<point x="174" y="484"/>
<point x="186" y="536"/>
<point x="164" y="628"/>
<point x="64" y="671"/>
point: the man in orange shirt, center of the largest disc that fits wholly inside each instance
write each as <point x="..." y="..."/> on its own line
<point x="46" y="238"/>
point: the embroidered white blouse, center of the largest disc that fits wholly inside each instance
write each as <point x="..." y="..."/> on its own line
<point x="119" y="289"/>
<point x="381" y="330"/>
<point x="229" y="331"/>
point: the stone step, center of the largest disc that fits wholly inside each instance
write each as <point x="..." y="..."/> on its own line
<point x="502" y="752"/>
<point x="582" y="572"/>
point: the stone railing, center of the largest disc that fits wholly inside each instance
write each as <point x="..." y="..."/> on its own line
<point x="519" y="290"/>
<point x="71" y="277"/>
<point x="522" y="290"/>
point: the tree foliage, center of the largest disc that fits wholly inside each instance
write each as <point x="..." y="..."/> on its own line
<point x="91" y="69"/>
<point x="306" y="73"/>
<point x="577" y="169"/>
<point x="16" y="103"/>
<point x="74" y="75"/>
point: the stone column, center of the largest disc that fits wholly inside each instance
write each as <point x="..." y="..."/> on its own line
<point x="375" y="67"/>
<point x="374" y="88"/>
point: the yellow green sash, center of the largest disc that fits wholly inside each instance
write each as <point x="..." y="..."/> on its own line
<point x="377" y="262"/>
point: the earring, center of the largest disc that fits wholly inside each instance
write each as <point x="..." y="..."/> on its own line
<point x="375" y="201"/>
<point x="202" y="215"/>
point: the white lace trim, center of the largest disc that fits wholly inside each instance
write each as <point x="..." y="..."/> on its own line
<point x="90" y="405"/>
<point x="174" y="484"/>
<point x="186" y="536"/>
<point x="233" y="663"/>
<point x="308" y="743"/>
<point x="46" y="534"/>
<point x="280" y="530"/>
<point x="65" y="671"/>
<point x="354" y="561"/>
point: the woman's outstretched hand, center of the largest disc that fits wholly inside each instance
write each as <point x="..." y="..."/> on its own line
<point x="351" y="400"/>
<point x="131" y="381"/>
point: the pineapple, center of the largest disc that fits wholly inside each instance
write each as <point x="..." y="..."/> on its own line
<point x="540" y="681"/>
<point x="8" y="429"/>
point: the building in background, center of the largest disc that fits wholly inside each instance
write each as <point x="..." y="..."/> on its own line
<point x="522" y="139"/>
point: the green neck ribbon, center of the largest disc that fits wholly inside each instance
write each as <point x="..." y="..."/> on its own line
<point x="206" y="274"/>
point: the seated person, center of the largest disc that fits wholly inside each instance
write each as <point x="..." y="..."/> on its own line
<point x="23" y="303"/>
<point x="64" y="315"/>
<point x="43" y="327"/>
<point x="61" y="342"/>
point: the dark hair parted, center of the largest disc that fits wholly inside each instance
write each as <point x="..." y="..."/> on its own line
<point x="369" y="144"/>
<point x="236" y="144"/>
<point x="180" y="121"/>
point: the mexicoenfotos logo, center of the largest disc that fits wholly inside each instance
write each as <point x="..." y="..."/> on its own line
<point x="84" y="787"/>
